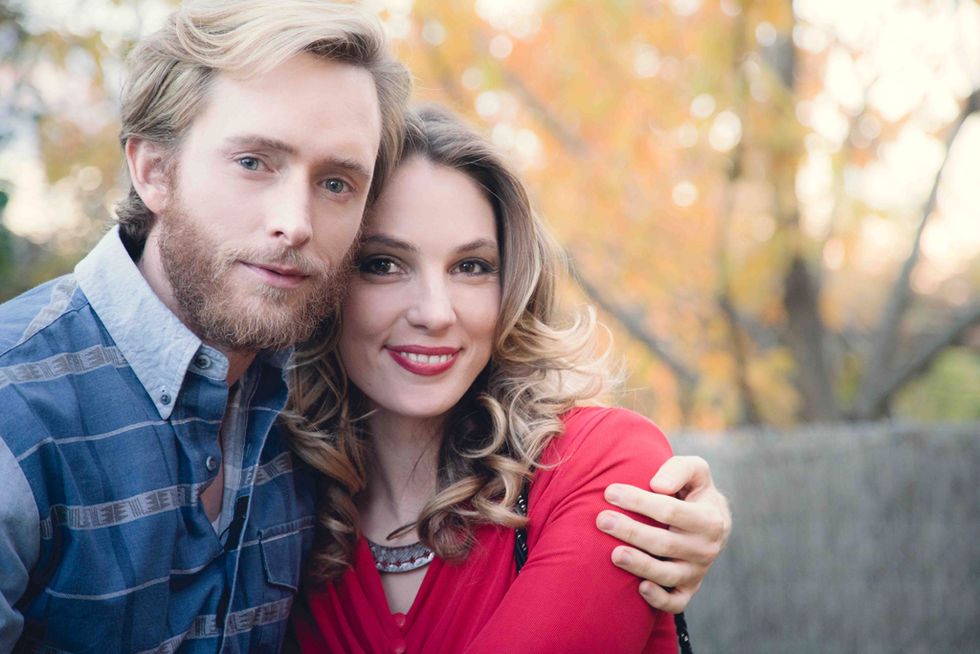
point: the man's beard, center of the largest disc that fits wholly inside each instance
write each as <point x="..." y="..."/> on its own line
<point x="238" y="317"/>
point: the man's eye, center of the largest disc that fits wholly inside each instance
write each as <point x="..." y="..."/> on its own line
<point x="249" y="163"/>
<point x="335" y="185"/>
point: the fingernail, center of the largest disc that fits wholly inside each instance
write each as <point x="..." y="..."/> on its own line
<point x="606" y="521"/>
<point x="645" y="587"/>
<point x="663" y="481"/>
<point x="613" y="494"/>
<point x="621" y="556"/>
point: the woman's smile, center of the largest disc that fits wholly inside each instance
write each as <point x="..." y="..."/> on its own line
<point x="420" y="360"/>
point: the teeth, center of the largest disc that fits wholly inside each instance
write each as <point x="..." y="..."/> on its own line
<point x="426" y="359"/>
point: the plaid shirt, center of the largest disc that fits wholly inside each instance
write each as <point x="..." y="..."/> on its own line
<point x="110" y="410"/>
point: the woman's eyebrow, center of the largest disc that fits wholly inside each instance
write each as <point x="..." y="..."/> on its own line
<point x="389" y="241"/>
<point x="397" y="243"/>
<point x="478" y="244"/>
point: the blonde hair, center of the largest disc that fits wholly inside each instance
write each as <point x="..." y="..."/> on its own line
<point x="170" y="72"/>
<point x="496" y="433"/>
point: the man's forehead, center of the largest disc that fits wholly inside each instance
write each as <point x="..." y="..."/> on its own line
<point x="307" y="105"/>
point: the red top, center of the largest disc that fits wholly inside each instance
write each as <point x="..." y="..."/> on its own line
<point x="569" y="597"/>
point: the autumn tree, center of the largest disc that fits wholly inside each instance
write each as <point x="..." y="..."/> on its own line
<point x="706" y="165"/>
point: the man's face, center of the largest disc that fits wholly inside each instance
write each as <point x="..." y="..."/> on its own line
<point x="266" y="197"/>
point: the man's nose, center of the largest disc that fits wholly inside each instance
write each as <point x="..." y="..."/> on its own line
<point x="290" y="217"/>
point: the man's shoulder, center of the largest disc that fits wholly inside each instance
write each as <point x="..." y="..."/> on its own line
<point x="34" y="311"/>
<point x="46" y="334"/>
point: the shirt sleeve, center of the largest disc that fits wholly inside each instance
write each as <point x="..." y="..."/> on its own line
<point x="19" y="544"/>
<point x="569" y="597"/>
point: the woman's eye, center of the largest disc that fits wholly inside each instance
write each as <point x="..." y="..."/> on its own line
<point x="475" y="267"/>
<point x="249" y="163"/>
<point x="379" y="266"/>
<point x="335" y="185"/>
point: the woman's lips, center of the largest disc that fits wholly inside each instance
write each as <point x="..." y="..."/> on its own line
<point x="426" y="361"/>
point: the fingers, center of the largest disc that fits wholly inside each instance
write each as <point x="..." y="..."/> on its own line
<point x="673" y="601"/>
<point x="667" y="586"/>
<point x="657" y="542"/>
<point x="669" y="574"/>
<point x="703" y="517"/>
<point x="682" y="473"/>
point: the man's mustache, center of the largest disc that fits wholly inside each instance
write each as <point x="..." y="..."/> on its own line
<point x="279" y="257"/>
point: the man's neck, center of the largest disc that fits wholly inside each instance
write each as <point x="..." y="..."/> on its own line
<point x="238" y="363"/>
<point x="151" y="267"/>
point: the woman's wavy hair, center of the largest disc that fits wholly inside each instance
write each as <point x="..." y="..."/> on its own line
<point x="495" y="435"/>
<point x="171" y="72"/>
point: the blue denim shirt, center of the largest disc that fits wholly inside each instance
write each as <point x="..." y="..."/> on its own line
<point x="110" y="410"/>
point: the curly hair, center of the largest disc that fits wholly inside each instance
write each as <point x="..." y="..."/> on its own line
<point x="495" y="435"/>
<point x="171" y="71"/>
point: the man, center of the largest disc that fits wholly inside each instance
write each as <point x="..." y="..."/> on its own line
<point x="149" y="501"/>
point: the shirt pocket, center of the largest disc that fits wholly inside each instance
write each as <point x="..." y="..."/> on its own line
<point x="282" y="549"/>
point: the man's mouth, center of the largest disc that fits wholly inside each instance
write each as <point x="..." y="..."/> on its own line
<point x="276" y="275"/>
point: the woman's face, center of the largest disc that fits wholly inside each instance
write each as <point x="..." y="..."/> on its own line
<point x="419" y="321"/>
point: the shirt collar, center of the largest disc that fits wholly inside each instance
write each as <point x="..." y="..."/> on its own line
<point x="155" y="343"/>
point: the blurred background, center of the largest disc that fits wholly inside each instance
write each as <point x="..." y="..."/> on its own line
<point x="776" y="206"/>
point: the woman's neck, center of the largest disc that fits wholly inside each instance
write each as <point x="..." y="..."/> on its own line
<point x="403" y="477"/>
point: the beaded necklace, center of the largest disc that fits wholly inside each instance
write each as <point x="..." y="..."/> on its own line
<point x="402" y="558"/>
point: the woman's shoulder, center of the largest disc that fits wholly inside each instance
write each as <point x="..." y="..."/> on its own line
<point x="599" y="446"/>
<point x="612" y="423"/>
<point x="596" y="433"/>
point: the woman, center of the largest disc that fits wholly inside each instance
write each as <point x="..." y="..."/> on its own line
<point x="448" y="384"/>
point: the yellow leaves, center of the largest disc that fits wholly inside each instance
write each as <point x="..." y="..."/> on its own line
<point x="609" y="109"/>
<point x="66" y="147"/>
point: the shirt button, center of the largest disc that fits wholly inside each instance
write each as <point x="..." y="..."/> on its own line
<point x="211" y="463"/>
<point x="399" y="620"/>
<point x="398" y="647"/>
<point x="202" y="361"/>
<point x="164" y="397"/>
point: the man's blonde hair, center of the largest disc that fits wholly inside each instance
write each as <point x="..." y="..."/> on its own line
<point x="170" y="72"/>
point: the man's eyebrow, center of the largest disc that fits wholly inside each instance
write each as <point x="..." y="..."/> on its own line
<point x="259" y="142"/>
<point x="351" y="166"/>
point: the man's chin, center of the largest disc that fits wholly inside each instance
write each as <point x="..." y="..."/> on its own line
<point x="265" y="321"/>
<point x="256" y="335"/>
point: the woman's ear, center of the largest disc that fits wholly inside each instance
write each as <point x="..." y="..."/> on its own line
<point x="147" y="163"/>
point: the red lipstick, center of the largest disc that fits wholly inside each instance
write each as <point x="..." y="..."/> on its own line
<point x="426" y="361"/>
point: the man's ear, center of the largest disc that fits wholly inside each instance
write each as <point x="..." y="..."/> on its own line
<point x="147" y="163"/>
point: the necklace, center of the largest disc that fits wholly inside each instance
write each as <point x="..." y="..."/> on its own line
<point x="403" y="558"/>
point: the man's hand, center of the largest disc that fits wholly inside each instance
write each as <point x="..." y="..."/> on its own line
<point x="671" y="562"/>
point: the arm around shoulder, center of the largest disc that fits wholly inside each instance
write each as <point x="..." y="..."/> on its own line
<point x="569" y="596"/>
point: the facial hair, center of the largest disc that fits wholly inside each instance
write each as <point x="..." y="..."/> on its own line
<point x="234" y="316"/>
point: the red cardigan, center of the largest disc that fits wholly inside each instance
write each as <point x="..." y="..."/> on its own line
<point x="569" y="597"/>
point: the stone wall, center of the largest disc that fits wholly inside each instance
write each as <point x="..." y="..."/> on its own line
<point x="859" y="538"/>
